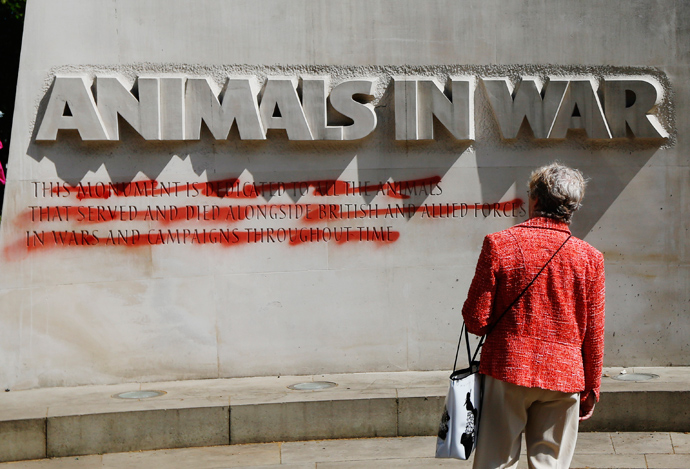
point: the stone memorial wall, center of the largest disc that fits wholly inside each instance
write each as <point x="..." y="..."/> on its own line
<point x="221" y="189"/>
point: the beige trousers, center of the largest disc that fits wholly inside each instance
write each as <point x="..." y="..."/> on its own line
<point x="549" y="420"/>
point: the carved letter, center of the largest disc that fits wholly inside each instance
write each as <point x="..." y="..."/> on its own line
<point x="281" y="93"/>
<point x="580" y="98"/>
<point x="417" y="100"/>
<point x="143" y="114"/>
<point x="314" y="98"/>
<point x="72" y="91"/>
<point x="644" y="97"/>
<point x="172" y="108"/>
<point x="363" y="115"/>
<point x="405" y="91"/>
<point x="457" y="116"/>
<point x="239" y="105"/>
<point x="525" y="102"/>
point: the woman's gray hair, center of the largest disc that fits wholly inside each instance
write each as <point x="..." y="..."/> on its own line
<point x="558" y="189"/>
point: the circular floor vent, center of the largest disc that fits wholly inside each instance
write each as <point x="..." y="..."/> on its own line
<point x="138" y="394"/>
<point x="635" y="376"/>
<point x="312" y="386"/>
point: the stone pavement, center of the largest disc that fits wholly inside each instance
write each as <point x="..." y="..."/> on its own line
<point x="222" y="416"/>
<point x="594" y="450"/>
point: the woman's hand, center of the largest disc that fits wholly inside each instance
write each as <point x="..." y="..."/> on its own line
<point x="587" y="406"/>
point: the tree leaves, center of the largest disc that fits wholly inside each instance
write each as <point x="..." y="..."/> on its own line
<point x="15" y="8"/>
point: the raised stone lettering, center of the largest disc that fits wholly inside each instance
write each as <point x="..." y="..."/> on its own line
<point x="418" y="100"/>
<point x="280" y="94"/>
<point x="456" y="116"/>
<point x="239" y="105"/>
<point x="525" y="102"/>
<point x="114" y="98"/>
<point x="172" y="108"/>
<point x="580" y="109"/>
<point x="314" y="92"/>
<point x="405" y="91"/>
<point x="72" y="92"/>
<point x="635" y="114"/>
<point x="362" y="114"/>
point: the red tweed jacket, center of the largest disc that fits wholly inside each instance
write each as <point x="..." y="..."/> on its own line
<point x="553" y="338"/>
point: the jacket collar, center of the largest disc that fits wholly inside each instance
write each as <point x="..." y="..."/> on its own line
<point x="545" y="223"/>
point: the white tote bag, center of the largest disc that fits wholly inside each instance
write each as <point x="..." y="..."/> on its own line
<point x="457" y="434"/>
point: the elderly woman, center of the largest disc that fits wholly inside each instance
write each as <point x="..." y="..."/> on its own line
<point x="543" y="360"/>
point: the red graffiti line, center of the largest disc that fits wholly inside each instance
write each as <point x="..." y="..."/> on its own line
<point x="310" y="213"/>
<point x="164" y="215"/>
<point x="321" y="212"/>
<point x="81" y="214"/>
<point x="401" y="189"/>
<point x="52" y="239"/>
<point x="234" y="189"/>
<point x="348" y="234"/>
<point x="45" y="240"/>
<point x="293" y="236"/>
<point x="230" y="188"/>
<point x="498" y="209"/>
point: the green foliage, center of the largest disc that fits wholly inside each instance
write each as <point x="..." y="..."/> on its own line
<point x="14" y="7"/>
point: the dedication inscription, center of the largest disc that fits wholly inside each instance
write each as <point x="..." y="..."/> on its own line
<point x="217" y="212"/>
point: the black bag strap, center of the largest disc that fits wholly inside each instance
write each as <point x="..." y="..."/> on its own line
<point x="467" y="342"/>
<point x="471" y="357"/>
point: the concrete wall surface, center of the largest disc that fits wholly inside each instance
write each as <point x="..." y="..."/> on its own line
<point x="336" y="235"/>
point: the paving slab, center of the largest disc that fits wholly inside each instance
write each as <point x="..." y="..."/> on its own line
<point x="642" y="443"/>
<point x="681" y="442"/>
<point x="395" y="463"/>
<point x="364" y="449"/>
<point x="671" y="378"/>
<point x="250" y="391"/>
<point x="79" y="462"/>
<point x="282" y="466"/>
<point x="668" y="461"/>
<point x="101" y="404"/>
<point x="207" y="457"/>
<point x="608" y="461"/>
<point x="399" y="379"/>
<point x="594" y="443"/>
<point x="35" y="403"/>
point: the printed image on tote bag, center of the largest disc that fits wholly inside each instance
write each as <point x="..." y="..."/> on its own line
<point x="457" y="435"/>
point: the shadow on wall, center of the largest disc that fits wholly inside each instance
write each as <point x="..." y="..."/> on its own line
<point x="609" y="165"/>
<point x="608" y="171"/>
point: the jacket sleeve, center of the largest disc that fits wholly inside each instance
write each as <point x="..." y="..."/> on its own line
<point x="480" y="299"/>
<point x="593" y="343"/>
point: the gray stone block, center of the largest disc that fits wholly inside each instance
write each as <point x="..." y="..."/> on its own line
<point x="419" y="416"/>
<point x="133" y="431"/>
<point x="22" y="439"/>
<point x="640" y="411"/>
<point x="294" y="421"/>
<point x="364" y="449"/>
